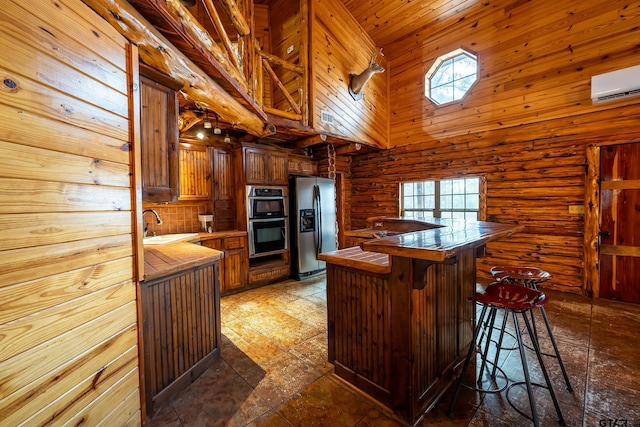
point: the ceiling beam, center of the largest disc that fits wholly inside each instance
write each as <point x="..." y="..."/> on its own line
<point x="156" y="51"/>
<point x="312" y="140"/>
<point x="349" y="148"/>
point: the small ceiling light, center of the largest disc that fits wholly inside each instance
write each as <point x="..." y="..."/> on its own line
<point x="207" y="122"/>
<point x="226" y="138"/>
<point x="217" y="130"/>
<point x="200" y="135"/>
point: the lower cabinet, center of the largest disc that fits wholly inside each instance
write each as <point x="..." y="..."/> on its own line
<point x="233" y="267"/>
<point x="180" y="329"/>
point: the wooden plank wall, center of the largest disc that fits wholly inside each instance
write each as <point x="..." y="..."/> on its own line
<point x="68" y="325"/>
<point x="285" y="32"/>
<point x="263" y="36"/>
<point x="524" y="126"/>
<point x="339" y="46"/>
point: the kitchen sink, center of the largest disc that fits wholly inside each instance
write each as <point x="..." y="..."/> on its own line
<point x="169" y="238"/>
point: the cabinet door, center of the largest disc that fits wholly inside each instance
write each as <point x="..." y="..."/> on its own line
<point x="256" y="166"/>
<point x="235" y="271"/>
<point x="195" y="172"/>
<point x="224" y="190"/>
<point x="278" y="168"/>
<point x="159" y="141"/>
<point x="266" y="167"/>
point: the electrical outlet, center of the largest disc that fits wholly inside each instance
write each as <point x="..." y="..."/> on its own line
<point x="576" y="209"/>
<point x="289" y="49"/>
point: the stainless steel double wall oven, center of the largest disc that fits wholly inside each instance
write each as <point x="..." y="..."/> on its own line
<point x="267" y="208"/>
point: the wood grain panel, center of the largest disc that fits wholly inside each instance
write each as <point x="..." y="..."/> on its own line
<point x="182" y="330"/>
<point x="31" y="129"/>
<point x="105" y="357"/>
<point x="339" y="46"/>
<point x="285" y="21"/>
<point x="16" y="265"/>
<point x="358" y="325"/>
<point x="67" y="290"/>
<point x="18" y="161"/>
<point x="19" y="196"/>
<point x="195" y="172"/>
<point x="39" y="229"/>
<point x="47" y="357"/>
<point x="35" y="296"/>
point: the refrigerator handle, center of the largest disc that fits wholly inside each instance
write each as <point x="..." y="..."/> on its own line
<point x="317" y="210"/>
<point x="319" y="223"/>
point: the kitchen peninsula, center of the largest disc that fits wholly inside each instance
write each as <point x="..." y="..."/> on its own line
<point x="398" y="316"/>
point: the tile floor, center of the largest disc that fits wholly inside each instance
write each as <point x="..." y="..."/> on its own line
<point x="273" y="370"/>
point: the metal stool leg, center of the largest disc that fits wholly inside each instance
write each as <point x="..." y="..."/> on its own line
<point x="525" y="370"/>
<point x="555" y="349"/>
<point x="472" y="346"/>
<point x="546" y="375"/>
<point x="499" y="344"/>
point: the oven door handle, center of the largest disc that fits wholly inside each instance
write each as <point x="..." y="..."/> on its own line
<point x="278" y="218"/>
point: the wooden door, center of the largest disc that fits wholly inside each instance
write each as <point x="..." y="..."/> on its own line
<point x="224" y="190"/>
<point x="619" y="261"/>
<point x="159" y="141"/>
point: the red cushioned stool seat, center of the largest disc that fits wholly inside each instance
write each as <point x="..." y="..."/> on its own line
<point x="517" y="301"/>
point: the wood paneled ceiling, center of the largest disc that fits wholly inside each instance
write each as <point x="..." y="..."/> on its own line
<point x="398" y="25"/>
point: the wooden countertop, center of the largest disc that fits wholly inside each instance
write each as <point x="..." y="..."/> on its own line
<point x="164" y="260"/>
<point x="221" y="234"/>
<point x="355" y="257"/>
<point x="438" y="244"/>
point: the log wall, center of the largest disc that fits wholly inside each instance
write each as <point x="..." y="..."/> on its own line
<point x="525" y="124"/>
<point x="340" y="46"/>
<point x="68" y="318"/>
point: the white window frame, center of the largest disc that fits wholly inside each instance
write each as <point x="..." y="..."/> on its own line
<point x="436" y="66"/>
<point x="436" y="200"/>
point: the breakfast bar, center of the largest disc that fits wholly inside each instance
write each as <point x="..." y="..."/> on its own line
<point x="398" y="315"/>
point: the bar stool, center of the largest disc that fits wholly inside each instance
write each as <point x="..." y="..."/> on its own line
<point x="531" y="277"/>
<point x="513" y="300"/>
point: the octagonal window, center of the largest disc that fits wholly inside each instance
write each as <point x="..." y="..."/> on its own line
<point x="451" y="76"/>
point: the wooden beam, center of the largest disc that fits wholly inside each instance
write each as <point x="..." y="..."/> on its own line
<point x="236" y="17"/>
<point x="187" y="120"/>
<point x="276" y="60"/>
<point x="591" y="220"/>
<point x="312" y="140"/>
<point x="217" y="23"/>
<point x="283" y="114"/>
<point x="280" y="86"/>
<point x="185" y="24"/>
<point x="156" y="51"/>
<point x="349" y="148"/>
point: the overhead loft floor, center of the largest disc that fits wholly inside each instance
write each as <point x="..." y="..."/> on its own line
<point x="250" y="89"/>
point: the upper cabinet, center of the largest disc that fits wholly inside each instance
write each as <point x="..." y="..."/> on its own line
<point x="301" y="165"/>
<point x="159" y="141"/>
<point x="265" y="166"/>
<point x="195" y="172"/>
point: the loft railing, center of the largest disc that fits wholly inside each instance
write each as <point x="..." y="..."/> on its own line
<point x="290" y="108"/>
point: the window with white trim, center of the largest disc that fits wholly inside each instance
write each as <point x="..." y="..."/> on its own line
<point x="451" y="76"/>
<point x="447" y="198"/>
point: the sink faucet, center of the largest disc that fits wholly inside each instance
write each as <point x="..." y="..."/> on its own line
<point x="146" y="225"/>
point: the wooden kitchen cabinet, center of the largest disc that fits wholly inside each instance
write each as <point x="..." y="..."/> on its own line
<point x="159" y="138"/>
<point x="234" y="265"/>
<point x="195" y="172"/>
<point x="301" y="165"/>
<point x="181" y="330"/>
<point x="266" y="167"/>
<point x="224" y="189"/>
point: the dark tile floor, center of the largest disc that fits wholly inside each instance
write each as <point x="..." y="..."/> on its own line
<point x="274" y="371"/>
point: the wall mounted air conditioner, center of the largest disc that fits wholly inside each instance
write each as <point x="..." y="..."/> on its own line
<point x="616" y="84"/>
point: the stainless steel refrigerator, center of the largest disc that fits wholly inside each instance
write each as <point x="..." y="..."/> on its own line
<point x="313" y="223"/>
